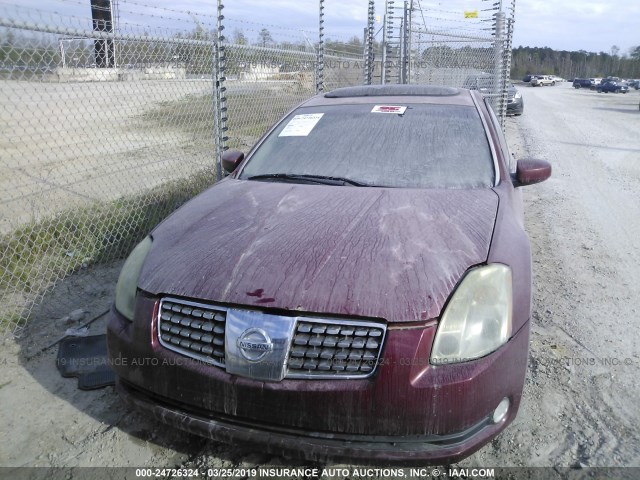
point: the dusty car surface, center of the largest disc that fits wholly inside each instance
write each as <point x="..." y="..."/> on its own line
<point x="359" y="287"/>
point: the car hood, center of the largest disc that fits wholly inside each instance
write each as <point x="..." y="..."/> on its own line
<point x="390" y="253"/>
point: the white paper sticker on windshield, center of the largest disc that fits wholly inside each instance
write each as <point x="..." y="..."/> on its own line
<point x="301" y="125"/>
<point x="389" y="109"/>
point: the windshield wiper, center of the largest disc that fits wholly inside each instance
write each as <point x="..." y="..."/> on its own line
<point x="320" y="179"/>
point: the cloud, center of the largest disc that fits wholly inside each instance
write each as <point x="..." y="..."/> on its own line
<point x="577" y="25"/>
<point x="593" y="25"/>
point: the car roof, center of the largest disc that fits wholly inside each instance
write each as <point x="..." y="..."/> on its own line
<point x="396" y="94"/>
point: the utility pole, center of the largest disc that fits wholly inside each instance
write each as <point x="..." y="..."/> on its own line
<point x="102" y="17"/>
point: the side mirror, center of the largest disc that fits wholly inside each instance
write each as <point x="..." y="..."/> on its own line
<point x="231" y="159"/>
<point x="530" y="171"/>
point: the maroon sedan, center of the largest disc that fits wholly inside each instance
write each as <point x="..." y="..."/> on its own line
<point x="359" y="287"/>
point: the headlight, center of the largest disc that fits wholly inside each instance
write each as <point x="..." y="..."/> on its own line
<point x="518" y="95"/>
<point x="128" y="279"/>
<point x="477" y="319"/>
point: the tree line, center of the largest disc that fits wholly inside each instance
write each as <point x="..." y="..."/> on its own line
<point x="572" y="64"/>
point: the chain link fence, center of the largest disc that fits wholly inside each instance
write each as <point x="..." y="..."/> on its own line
<point x="107" y="126"/>
<point x="268" y="70"/>
<point x="469" y="48"/>
<point x="115" y="112"/>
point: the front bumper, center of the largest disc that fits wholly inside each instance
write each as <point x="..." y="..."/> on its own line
<point x="409" y="411"/>
<point x="316" y="446"/>
<point x="516" y="107"/>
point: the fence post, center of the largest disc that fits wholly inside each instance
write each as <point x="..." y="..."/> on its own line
<point x="409" y="40"/>
<point x="405" y="43"/>
<point x="368" y="60"/>
<point x="508" y="50"/>
<point x="387" y="38"/>
<point x="320" y="54"/>
<point x="383" y="66"/>
<point x="219" y="97"/>
<point x="499" y="74"/>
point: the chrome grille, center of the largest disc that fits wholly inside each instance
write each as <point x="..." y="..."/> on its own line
<point x="193" y="329"/>
<point x="329" y="349"/>
<point x="318" y="348"/>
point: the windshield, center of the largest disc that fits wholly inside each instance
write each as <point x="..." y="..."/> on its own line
<point x="423" y="146"/>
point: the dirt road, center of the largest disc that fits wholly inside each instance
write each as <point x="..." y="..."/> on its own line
<point x="582" y="391"/>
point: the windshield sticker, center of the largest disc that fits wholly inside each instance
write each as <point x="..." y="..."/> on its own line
<point x="389" y="109"/>
<point x="301" y="125"/>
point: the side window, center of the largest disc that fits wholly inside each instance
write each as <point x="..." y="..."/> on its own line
<point x="510" y="161"/>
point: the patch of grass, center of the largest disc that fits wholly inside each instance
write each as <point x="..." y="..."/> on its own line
<point x="192" y="114"/>
<point x="250" y="114"/>
<point x="34" y="257"/>
<point x="10" y="323"/>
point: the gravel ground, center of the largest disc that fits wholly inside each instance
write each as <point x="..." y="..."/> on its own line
<point x="582" y="392"/>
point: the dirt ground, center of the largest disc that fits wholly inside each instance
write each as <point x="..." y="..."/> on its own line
<point x="70" y="145"/>
<point x="580" y="404"/>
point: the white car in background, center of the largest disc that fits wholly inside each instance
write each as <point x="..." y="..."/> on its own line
<point x="542" y="80"/>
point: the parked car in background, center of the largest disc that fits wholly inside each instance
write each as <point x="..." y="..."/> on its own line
<point x="483" y="82"/>
<point x="558" y="79"/>
<point x="583" y="83"/>
<point x="612" y="87"/>
<point x="634" y="84"/>
<point x="515" y="102"/>
<point x="358" y="287"/>
<point x="542" y="80"/>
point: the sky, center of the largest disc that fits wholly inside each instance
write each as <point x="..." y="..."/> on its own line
<point x="591" y="25"/>
<point x="594" y="26"/>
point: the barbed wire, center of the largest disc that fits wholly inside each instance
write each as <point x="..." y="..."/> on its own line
<point x="146" y="6"/>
